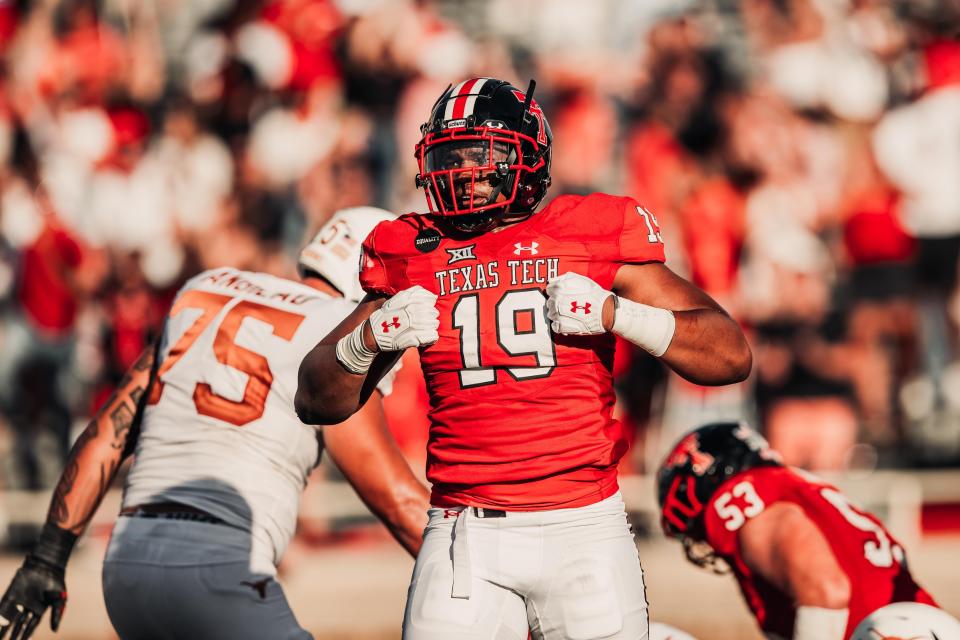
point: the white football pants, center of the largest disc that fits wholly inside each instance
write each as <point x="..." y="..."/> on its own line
<point x="571" y="574"/>
<point x="182" y="580"/>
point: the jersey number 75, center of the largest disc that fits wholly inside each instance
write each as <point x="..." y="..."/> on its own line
<point x="284" y="325"/>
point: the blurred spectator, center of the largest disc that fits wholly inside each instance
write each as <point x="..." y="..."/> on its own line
<point x="56" y="274"/>
<point x="804" y="363"/>
<point x="918" y="148"/>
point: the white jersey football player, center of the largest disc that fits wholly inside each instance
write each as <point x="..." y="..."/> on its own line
<point x="211" y="499"/>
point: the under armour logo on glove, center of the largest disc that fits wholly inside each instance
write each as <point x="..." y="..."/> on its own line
<point x="408" y="319"/>
<point x="570" y="300"/>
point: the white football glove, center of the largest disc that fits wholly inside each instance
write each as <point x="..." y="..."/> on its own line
<point x="575" y="305"/>
<point x="408" y="319"/>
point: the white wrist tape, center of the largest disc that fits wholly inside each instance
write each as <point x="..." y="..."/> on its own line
<point x="353" y="354"/>
<point x="817" y="623"/>
<point x="650" y="328"/>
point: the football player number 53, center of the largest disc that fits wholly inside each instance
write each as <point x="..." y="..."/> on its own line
<point x="734" y="514"/>
<point x="530" y="339"/>
<point x="284" y="325"/>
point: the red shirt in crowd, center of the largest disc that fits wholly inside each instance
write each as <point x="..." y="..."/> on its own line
<point x="45" y="293"/>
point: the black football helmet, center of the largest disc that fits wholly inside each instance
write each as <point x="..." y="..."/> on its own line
<point x="703" y="460"/>
<point x="485" y="150"/>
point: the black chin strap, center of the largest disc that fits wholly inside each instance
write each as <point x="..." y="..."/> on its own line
<point x="503" y="178"/>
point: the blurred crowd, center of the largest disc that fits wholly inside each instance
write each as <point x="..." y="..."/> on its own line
<point x="802" y="157"/>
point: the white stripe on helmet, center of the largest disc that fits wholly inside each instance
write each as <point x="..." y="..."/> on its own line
<point x="448" y="108"/>
<point x="472" y="100"/>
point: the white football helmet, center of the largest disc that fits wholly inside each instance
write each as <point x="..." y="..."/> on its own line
<point x="908" y="620"/>
<point x="334" y="253"/>
<point x="661" y="631"/>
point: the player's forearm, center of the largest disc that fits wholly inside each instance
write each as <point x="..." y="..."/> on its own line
<point x="826" y="591"/>
<point x="708" y="348"/>
<point x="369" y="458"/>
<point x="326" y="392"/>
<point x="98" y="452"/>
<point x="90" y="469"/>
<point x="405" y="515"/>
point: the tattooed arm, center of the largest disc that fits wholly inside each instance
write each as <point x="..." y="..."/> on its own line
<point x="106" y="442"/>
<point x="93" y="462"/>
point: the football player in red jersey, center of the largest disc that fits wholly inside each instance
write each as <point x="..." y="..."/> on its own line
<point x="513" y="312"/>
<point x="810" y="564"/>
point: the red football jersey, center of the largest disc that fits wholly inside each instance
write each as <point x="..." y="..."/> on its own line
<point x="872" y="559"/>
<point x="520" y="418"/>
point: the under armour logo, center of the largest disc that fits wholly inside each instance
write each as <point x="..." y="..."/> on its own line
<point x="585" y="307"/>
<point x="519" y="248"/>
<point x="386" y="325"/>
<point x="451" y="513"/>
<point x="260" y="586"/>
<point x="461" y="253"/>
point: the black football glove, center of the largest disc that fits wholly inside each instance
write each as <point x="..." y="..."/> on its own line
<point x="37" y="585"/>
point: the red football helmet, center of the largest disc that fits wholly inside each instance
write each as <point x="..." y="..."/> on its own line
<point x="696" y="467"/>
<point x="485" y="150"/>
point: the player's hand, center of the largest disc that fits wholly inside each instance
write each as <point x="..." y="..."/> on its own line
<point x="575" y="305"/>
<point x="408" y="319"/>
<point x="37" y="585"/>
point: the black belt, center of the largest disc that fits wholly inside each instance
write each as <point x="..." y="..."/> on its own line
<point x="170" y="511"/>
<point x="483" y="512"/>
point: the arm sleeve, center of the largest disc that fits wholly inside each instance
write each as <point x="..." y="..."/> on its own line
<point x="639" y="239"/>
<point x="374" y="277"/>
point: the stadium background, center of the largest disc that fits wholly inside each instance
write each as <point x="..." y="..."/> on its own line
<point x="802" y="157"/>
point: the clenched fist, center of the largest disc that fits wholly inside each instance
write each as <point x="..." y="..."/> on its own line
<point x="575" y="305"/>
<point x="408" y="319"/>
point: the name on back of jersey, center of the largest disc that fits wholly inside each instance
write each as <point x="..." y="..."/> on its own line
<point x="489" y="275"/>
<point x="230" y="279"/>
